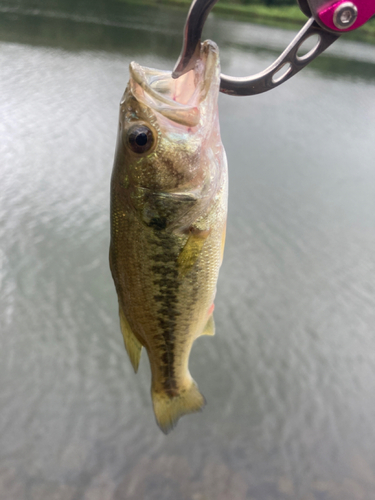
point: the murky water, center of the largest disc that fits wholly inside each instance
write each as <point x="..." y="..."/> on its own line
<point x="290" y="375"/>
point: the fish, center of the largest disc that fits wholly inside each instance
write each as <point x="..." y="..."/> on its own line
<point x="168" y="211"/>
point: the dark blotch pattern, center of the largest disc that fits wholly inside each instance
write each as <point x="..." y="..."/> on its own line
<point x="158" y="223"/>
<point x="167" y="282"/>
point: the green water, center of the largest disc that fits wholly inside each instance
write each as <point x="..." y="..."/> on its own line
<point x="290" y="375"/>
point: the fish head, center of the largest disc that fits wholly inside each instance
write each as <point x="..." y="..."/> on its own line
<point x="169" y="128"/>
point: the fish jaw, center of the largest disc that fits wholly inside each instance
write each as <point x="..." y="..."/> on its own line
<point x="168" y="213"/>
<point x="189" y="100"/>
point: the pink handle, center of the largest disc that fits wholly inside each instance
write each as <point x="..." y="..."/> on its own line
<point x="366" y="9"/>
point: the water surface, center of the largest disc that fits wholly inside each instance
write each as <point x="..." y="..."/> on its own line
<point x="290" y="375"/>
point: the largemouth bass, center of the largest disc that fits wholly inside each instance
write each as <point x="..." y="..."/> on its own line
<point x="168" y="218"/>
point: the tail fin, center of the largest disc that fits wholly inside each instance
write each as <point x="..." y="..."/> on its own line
<point x="169" y="409"/>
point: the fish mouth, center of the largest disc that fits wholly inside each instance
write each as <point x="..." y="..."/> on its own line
<point x="180" y="100"/>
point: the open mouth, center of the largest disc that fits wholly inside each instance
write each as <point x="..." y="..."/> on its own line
<point x="177" y="99"/>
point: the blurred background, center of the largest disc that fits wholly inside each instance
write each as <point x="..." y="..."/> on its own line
<point x="290" y="375"/>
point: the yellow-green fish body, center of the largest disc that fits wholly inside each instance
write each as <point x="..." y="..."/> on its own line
<point x="168" y="217"/>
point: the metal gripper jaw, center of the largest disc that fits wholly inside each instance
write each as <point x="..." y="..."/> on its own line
<point x="327" y="21"/>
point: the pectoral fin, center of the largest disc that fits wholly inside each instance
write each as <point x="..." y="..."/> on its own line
<point x="132" y="344"/>
<point x="209" y="329"/>
<point x="190" y="252"/>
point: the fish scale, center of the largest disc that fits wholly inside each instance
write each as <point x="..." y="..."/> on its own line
<point x="168" y="215"/>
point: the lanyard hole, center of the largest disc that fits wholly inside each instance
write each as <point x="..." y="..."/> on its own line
<point x="282" y="73"/>
<point x="308" y="47"/>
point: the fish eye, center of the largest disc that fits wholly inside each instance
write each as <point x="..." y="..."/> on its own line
<point x="140" y="138"/>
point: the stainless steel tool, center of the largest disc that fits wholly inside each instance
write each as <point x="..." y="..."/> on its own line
<point x="327" y="20"/>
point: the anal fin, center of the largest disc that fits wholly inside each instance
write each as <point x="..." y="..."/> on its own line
<point x="209" y="329"/>
<point x="132" y="345"/>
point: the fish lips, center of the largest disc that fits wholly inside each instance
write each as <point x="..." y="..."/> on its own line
<point x="185" y="99"/>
